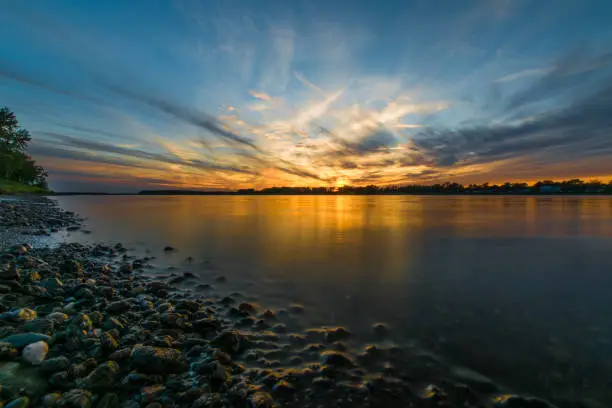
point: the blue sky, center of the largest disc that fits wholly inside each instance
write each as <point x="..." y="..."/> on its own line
<point x="121" y="96"/>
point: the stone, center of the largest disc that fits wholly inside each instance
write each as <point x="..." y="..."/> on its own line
<point x="43" y="326"/>
<point x="53" y="365"/>
<point x="119" y="306"/>
<point x="103" y="376"/>
<point x="337" y="359"/>
<point x="57" y="317"/>
<point x="516" y="401"/>
<point x="108" y="343"/>
<point x="35" y="353"/>
<point x="23" y="315"/>
<point x="230" y="341"/>
<point x="108" y="400"/>
<point x="157" y="360"/>
<point x="23" y="339"/>
<point x="7" y="351"/>
<point x="337" y="334"/>
<point x="21" y="402"/>
<point x="151" y="393"/>
<point x="283" y="388"/>
<point x="76" y="398"/>
<point x="51" y="400"/>
<point x="60" y="380"/>
<point x="261" y="399"/>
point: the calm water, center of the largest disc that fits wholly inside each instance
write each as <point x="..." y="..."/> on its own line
<point x="517" y="288"/>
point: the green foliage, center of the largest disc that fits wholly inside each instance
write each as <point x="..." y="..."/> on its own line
<point x="15" y="164"/>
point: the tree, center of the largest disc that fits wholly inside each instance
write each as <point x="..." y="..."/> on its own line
<point x="15" y="164"/>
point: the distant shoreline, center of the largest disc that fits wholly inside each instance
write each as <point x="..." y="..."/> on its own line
<point x="218" y="193"/>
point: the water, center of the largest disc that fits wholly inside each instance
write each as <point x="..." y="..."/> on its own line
<point x="517" y="288"/>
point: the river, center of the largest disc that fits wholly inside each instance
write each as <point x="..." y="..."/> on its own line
<point x="517" y="288"/>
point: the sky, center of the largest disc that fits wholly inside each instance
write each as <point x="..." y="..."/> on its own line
<point x="216" y="95"/>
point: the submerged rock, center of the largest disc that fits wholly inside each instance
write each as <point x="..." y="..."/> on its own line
<point x="16" y="376"/>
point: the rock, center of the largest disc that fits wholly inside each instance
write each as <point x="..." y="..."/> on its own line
<point x="102" y="377"/>
<point x="337" y="334"/>
<point x="76" y="398"/>
<point x="296" y="308"/>
<point x="219" y="374"/>
<point x="7" y="351"/>
<point x="108" y="342"/>
<point x="23" y="315"/>
<point x="126" y="268"/>
<point x="51" y="400"/>
<point x="83" y="368"/>
<point x="108" y="400"/>
<point x="22" y="402"/>
<point x="168" y="248"/>
<point x="121" y="355"/>
<point x="61" y="380"/>
<point x="230" y="341"/>
<point x="57" y="317"/>
<point x="156" y="360"/>
<point x="113" y="323"/>
<point x="283" y="388"/>
<point x="206" y="325"/>
<point x="475" y="380"/>
<point x="35" y="353"/>
<point x="53" y="365"/>
<point x="15" y="376"/>
<point x="337" y="359"/>
<point x="151" y="393"/>
<point x="261" y="399"/>
<point x="43" y="326"/>
<point x="515" y="401"/>
<point x="119" y="306"/>
<point x="23" y="339"/>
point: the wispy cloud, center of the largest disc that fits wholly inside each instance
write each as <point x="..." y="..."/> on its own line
<point x="526" y="73"/>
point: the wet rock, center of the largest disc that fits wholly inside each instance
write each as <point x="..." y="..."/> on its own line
<point x="23" y="339"/>
<point x="7" y="351"/>
<point x="57" y="317"/>
<point x="283" y="388"/>
<point x="336" y="359"/>
<point x="53" y="365"/>
<point x="380" y="330"/>
<point x="83" y="368"/>
<point x="515" y="401"/>
<point x="169" y="248"/>
<point x="206" y="325"/>
<point x="102" y="377"/>
<point x="113" y="323"/>
<point x="21" y="315"/>
<point x="157" y="360"/>
<point x="108" y="400"/>
<point x="51" y="400"/>
<point x="337" y="334"/>
<point x="61" y="380"/>
<point x="126" y="268"/>
<point x="261" y="399"/>
<point x="230" y="341"/>
<point x="119" y="306"/>
<point x="43" y="326"/>
<point x="108" y="343"/>
<point x="77" y="398"/>
<point x="296" y="308"/>
<point x="21" y="402"/>
<point x="121" y="355"/>
<point x="219" y="374"/>
<point x="151" y="393"/>
<point x="35" y="353"/>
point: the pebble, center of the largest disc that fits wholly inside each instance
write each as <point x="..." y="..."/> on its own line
<point x="156" y="360"/>
<point x="35" y="353"/>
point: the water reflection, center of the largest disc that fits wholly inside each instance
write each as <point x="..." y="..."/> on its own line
<point x="506" y="285"/>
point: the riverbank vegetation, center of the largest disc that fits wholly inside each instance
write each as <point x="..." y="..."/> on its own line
<point x="19" y="173"/>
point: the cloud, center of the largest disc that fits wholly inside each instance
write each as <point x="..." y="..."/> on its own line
<point x="261" y="95"/>
<point x="523" y="74"/>
<point x="574" y="72"/>
<point x="581" y="130"/>
<point x="107" y="148"/>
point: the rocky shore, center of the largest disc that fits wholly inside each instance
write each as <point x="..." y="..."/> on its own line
<point x="86" y="326"/>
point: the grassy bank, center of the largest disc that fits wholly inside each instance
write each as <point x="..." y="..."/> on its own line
<point x="11" y="187"/>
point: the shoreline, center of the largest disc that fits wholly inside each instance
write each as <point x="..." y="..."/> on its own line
<point x="86" y="327"/>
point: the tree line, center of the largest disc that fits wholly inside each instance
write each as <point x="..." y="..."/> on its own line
<point x="573" y="186"/>
<point x="15" y="164"/>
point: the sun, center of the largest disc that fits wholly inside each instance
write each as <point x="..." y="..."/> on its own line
<point x="340" y="183"/>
